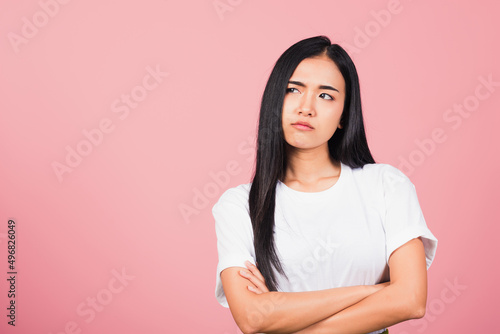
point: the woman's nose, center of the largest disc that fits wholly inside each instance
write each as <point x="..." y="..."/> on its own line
<point x="306" y="106"/>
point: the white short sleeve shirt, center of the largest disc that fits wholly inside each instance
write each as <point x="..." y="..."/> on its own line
<point x="342" y="236"/>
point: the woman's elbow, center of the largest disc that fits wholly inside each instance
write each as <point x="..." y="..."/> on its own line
<point x="247" y="330"/>
<point x="251" y="321"/>
<point x="417" y="306"/>
<point x="411" y="302"/>
<point x="245" y="324"/>
<point x="249" y="325"/>
<point x="418" y="311"/>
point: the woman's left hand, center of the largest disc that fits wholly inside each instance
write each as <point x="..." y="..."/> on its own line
<point x="253" y="275"/>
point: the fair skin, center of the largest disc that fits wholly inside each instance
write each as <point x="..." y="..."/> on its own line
<point x="403" y="299"/>
<point x="315" y="94"/>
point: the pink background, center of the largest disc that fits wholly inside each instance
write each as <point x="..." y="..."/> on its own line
<point x="65" y="67"/>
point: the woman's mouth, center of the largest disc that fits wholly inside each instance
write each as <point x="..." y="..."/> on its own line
<point x="303" y="126"/>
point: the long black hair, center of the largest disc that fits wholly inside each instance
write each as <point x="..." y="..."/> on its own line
<point x="347" y="145"/>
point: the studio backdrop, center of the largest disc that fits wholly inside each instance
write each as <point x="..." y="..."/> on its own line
<point x="122" y="123"/>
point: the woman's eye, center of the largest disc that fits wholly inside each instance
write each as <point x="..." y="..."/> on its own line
<point x="289" y="90"/>
<point x="328" y="97"/>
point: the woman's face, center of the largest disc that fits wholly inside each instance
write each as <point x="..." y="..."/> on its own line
<point x="315" y="95"/>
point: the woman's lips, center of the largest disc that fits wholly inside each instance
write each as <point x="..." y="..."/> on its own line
<point x="302" y="127"/>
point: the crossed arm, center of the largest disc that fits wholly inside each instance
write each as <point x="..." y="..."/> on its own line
<point x="356" y="309"/>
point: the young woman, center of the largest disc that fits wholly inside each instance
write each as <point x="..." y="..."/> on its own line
<point x="323" y="240"/>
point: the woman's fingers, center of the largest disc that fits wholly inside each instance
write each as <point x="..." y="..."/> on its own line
<point x="255" y="271"/>
<point x="257" y="291"/>
<point x="251" y="277"/>
<point x="254" y="275"/>
<point x="260" y="286"/>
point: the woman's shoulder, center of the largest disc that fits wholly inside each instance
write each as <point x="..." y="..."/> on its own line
<point x="379" y="173"/>
<point x="378" y="169"/>
<point x="236" y="195"/>
<point x="241" y="190"/>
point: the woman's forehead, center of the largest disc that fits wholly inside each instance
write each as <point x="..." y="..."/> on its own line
<point x="318" y="71"/>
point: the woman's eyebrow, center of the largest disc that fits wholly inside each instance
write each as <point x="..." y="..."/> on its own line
<point x="298" y="83"/>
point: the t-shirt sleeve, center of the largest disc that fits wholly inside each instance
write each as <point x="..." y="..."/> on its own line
<point x="404" y="219"/>
<point x="234" y="232"/>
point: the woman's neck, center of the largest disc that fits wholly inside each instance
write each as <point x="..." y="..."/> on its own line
<point x="311" y="170"/>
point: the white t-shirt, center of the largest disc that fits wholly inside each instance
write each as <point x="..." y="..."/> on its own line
<point x="341" y="236"/>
